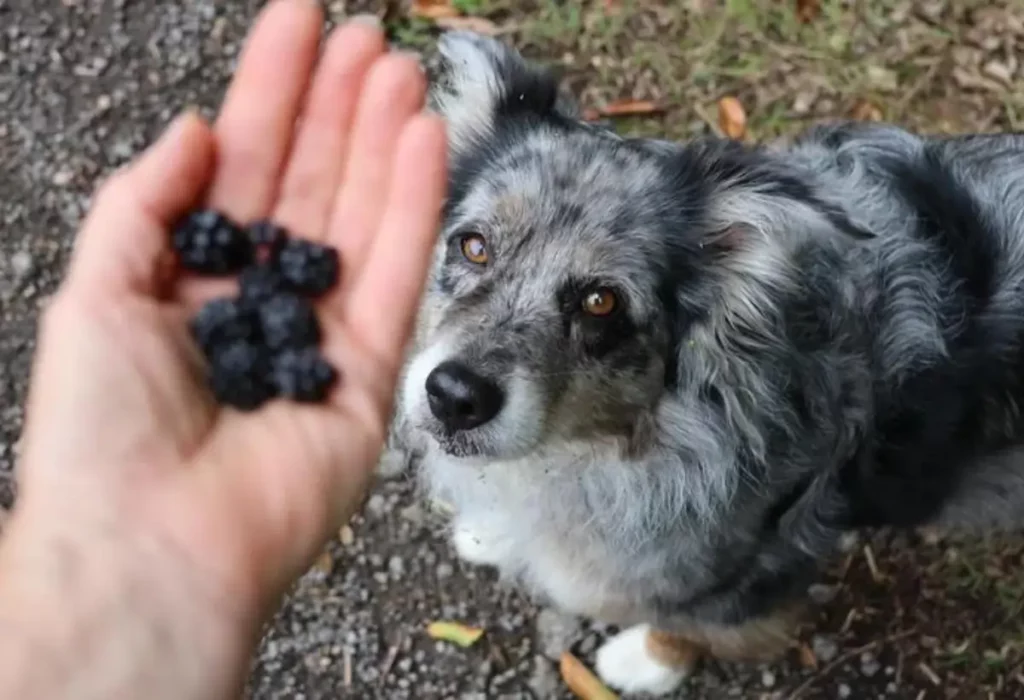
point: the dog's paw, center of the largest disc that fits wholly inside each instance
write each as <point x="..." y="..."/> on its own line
<point x="478" y="543"/>
<point x="625" y="662"/>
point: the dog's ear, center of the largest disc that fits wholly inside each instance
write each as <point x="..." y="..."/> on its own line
<point x="481" y="81"/>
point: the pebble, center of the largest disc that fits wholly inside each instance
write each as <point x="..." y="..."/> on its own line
<point x="396" y="565"/>
<point x="822" y="594"/>
<point x="22" y="264"/>
<point x="767" y="679"/>
<point x="376" y="505"/>
<point x="555" y="632"/>
<point x="869" y="665"/>
<point x="445" y="570"/>
<point x="588" y="645"/>
<point x="844" y="690"/>
<point x="824" y="647"/>
<point x="544" y="681"/>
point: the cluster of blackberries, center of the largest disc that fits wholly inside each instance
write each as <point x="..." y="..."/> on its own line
<point x="263" y="343"/>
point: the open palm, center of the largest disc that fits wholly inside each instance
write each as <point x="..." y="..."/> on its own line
<point x="333" y="145"/>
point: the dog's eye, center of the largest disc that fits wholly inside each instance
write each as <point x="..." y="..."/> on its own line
<point x="600" y="302"/>
<point x="474" y="248"/>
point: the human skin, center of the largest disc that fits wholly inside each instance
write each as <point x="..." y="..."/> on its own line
<point x="155" y="531"/>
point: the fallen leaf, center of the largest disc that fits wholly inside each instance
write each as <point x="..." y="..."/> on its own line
<point x="807" y="657"/>
<point x="581" y="681"/>
<point x="628" y="108"/>
<point x="480" y="25"/>
<point x="433" y="9"/>
<point x="455" y="632"/>
<point x="866" y="111"/>
<point x="732" y="118"/>
<point x="807" y="10"/>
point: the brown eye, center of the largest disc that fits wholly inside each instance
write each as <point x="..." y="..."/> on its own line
<point x="600" y="302"/>
<point x="474" y="248"/>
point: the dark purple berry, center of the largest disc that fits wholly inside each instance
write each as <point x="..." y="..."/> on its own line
<point x="209" y="243"/>
<point x="241" y="375"/>
<point x="310" y="268"/>
<point x="289" y="321"/>
<point x="259" y="284"/>
<point x="268" y="236"/>
<point x="303" y="375"/>
<point x="221" y="322"/>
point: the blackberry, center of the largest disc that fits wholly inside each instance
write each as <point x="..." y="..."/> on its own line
<point x="267" y="236"/>
<point x="260" y="283"/>
<point x="209" y="243"/>
<point x="303" y="375"/>
<point x="289" y="321"/>
<point x="309" y="268"/>
<point x="222" y="321"/>
<point x="240" y="375"/>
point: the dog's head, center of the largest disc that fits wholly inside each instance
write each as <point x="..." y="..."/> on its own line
<point x="573" y="264"/>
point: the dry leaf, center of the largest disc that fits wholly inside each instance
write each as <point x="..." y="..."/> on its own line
<point x="866" y="111"/>
<point x="629" y="108"/>
<point x="455" y="632"/>
<point x="732" y="118"/>
<point x="581" y="681"/>
<point x="433" y="9"/>
<point x="808" y="658"/>
<point x="480" y="25"/>
<point x="807" y="10"/>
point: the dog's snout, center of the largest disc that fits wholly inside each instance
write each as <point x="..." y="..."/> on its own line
<point x="460" y="398"/>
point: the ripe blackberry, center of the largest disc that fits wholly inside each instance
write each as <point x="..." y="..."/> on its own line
<point x="289" y="321"/>
<point x="267" y="236"/>
<point x="259" y="284"/>
<point x="209" y="243"/>
<point x="221" y="322"/>
<point x="309" y="268"/>
<point x="240" y="375"/>
<point x="303" y="375"/>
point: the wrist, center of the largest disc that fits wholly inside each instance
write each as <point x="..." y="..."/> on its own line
<point x="96" y="612"/>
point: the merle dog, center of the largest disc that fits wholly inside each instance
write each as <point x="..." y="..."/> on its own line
<point x="656" y="382"/>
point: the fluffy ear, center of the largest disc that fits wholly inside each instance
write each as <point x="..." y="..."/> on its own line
<point x="480" y="81"/>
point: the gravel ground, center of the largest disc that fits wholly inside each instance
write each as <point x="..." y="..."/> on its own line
<point x="84" y="84"/>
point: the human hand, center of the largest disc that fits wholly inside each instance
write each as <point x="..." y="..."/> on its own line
<point x="129" y="468"/>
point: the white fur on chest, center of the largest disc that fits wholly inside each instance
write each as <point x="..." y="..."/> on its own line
<point x="502" y="518"/>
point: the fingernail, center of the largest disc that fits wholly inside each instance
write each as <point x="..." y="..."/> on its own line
<point x="370" y="20"/>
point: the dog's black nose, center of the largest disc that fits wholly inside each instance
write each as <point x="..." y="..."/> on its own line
<point x="460" y="398"/>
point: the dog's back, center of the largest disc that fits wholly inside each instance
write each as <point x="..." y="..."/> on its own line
<point x="947" y="274"/>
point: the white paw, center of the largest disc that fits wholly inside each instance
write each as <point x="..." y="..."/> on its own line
<point x="624" y="662"/>
<point x="479" y="544"/>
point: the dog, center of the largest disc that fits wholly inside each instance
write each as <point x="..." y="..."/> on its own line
<point x="656" y="382"/>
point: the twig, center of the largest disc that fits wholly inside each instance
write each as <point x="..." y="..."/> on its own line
<point x="869" y="556"/>
<point x="929" y="673"/>
<point x="389" y="661"/>
<point x="826" y="670"/>
<point x="347" y="660"/>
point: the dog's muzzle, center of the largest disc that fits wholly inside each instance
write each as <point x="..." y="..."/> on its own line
<point x="460" y="398"/>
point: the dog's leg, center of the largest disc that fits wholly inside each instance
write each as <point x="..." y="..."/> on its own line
<point x="641" y="659"/>
<point x="479" y="540"/>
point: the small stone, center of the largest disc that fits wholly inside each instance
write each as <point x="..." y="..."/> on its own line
<point x="869" y="665"/>
<point x="767" y="679"/>
<point x="392" y="464"/>
<point x="63" y="177"/>
<point x="396" y="566"/>
<point x="822" y="594"/>
<point x="375" y="504"/>
<point x="844" y="690"/>
<point x="544" y="680"/>
<point x="588" y="645"/>
<point x="824" y="647"/>
<point x="324" y="563"/>
<point x="22" y="264"/>
<point x="346" y="535"/>
<point x="555" y="632"/>
<point x="997" y="70"/>
<point x="444" y="570"/>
